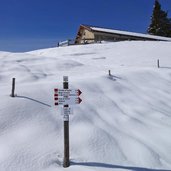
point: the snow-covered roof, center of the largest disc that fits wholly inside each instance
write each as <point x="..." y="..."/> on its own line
<point x="130" y="33"/>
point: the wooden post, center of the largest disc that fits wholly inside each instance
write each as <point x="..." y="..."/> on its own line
<point x="66" y="162"/>
<point x="158" y="63"/>
<point x="109" y="73"/>
<point x="13" y="88"/>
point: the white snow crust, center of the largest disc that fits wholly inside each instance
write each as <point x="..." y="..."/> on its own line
<point x="123" y="123"/>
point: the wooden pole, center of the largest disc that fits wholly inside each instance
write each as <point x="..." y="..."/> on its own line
<point x="158" y="63"/>
<point x="109" y="73"/>
<point x="13" y="88"/>
<point x="66" y="162"/>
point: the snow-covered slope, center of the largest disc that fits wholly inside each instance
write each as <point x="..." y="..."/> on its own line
<point x="123" y="123"/>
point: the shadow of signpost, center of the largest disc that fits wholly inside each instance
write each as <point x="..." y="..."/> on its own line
<point x="37" y="101"/>
<point x="111" y="166"/>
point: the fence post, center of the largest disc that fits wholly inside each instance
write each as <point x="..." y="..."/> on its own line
<point x="158" y="63"/>
<point x="109" y="73"/>
<point x="13" y="88"/>
<point x="66" y="162"/>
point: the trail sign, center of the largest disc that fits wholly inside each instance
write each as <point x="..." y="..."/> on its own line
<point x="67" y="92"/>
<point x="67" y="100"/>
<point x="67" y="96"/>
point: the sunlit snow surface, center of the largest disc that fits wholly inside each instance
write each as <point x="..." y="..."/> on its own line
<point x="123" y="123"/>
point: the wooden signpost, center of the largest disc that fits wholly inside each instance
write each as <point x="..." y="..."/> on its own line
<point x="66" y="97"/>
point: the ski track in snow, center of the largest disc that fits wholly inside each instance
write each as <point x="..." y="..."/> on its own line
<point x="123" y="123"/>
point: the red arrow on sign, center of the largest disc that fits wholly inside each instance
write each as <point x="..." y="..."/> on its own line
<point x="79" y="92"/>
<point x="79" y="100"/>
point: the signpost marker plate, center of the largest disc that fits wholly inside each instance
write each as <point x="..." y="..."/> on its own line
<point x="67" y="96"/>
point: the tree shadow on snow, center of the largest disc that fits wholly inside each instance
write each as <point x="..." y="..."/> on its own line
<point x="37" y="101"/>
<point x="111" y="166"/>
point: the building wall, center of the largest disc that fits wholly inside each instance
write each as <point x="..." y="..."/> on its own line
<point x="87" y="36"/>
<point x="99" y="36"/>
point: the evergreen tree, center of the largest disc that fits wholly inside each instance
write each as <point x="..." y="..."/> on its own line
<point x="160" y="23"/>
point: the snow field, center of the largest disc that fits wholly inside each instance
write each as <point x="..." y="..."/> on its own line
<point x="123" y="123"/>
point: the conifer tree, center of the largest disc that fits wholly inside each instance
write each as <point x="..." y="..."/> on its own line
<point x="160" y="23"/>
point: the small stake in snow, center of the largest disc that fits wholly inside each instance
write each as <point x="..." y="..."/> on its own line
<point x="158" y="63"/>
<point x="13" y="88"/>
<point x="109" y="73"/>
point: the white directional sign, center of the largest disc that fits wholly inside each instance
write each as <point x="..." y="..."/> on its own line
<point x="67" y="111"/>
<point x="67" y="96"/>
<point x="67" y="100"/>
<point x="67" y="92"/>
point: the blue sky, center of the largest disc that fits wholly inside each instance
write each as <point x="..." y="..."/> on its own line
<point x="32" y="24"/>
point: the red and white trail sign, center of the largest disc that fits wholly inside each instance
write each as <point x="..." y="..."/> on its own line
<point x="67" y="96"/>
<point x="67" y="92"/>
<point x="67" y="100"/>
